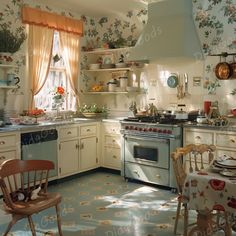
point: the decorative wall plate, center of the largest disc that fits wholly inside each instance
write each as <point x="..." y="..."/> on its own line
<point x="172" y="81"/>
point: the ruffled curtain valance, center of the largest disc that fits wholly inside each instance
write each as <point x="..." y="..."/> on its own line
<point x="35" y="16"/>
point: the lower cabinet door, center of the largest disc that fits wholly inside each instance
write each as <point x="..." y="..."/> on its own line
<point x="69" y="157"/>
<point x="112" y="157"/>
<point x="88" y="153"/>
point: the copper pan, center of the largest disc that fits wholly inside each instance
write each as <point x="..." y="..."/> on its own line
<point x="223" y="71"/>
<point x="233" y="69"/>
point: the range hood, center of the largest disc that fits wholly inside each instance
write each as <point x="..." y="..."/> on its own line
<point x="170" y="34"/>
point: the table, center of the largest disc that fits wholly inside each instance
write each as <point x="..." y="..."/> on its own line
<point x="206" y="191"/>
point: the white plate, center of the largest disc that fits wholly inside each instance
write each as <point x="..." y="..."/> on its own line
<point x="226" y="163"/>
<point x="228" y="173"/>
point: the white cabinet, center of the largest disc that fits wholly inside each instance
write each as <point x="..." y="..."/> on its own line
<point x="68" y="155"/>
<point x="9" y="146"/>
<point x="88" y="143"/>
<point x="111" y="145"/>
<point x="225" y="141"/>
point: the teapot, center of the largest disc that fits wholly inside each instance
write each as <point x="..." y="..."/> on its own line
<point x="12" y="79"/>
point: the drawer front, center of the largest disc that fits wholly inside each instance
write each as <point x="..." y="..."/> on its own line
<point x="147" y="174"/>
<point x="226" y="140"/>
<point x="221" y="152"/>
<point x="113" y="141"/>
<point x="88" y="130"/>
<point x="8" y="141"/>
<point x="7" y="155"/>
<point x="111" y="128"/>
<point x="112" y="157"/>
<point x="199" y="137"/>
<point x="66" y="133"/>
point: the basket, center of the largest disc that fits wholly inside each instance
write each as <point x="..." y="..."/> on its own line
<point x="90" y="114"/>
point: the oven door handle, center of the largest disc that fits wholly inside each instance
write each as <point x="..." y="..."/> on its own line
<point x="146" y="139"/>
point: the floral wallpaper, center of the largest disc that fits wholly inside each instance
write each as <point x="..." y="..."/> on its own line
<point x="215" y="21"/>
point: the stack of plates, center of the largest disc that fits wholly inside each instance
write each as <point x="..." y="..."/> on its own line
<point x="227" y="164"/>
<point x="225" y="167"/>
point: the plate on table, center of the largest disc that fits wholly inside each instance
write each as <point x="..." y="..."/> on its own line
<point x="228" y="163"/>
<point x="228" y="173"/>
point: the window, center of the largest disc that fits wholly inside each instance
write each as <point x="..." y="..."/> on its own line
<point x="56" y="78"/>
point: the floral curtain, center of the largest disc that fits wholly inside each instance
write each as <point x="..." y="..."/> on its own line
<point x="40" y="44"/>
<point x="70" y="43"/>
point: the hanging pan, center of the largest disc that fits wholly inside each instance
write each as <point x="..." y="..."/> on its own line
<point x="223" y="70"/>
<point x="233" y="68"/>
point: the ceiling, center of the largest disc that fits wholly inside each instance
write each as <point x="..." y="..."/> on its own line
<point x="98" y="8"/>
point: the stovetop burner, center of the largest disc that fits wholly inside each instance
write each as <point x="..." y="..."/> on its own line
<point x="143" y="119"/>
<point x="155" y="119"/>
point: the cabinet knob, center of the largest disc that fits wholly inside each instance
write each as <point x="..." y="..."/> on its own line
<point x="2" y="142"/>
<point x="158" y="176"/>
<point x="2" y="158"/>
<point x="198" y="137"/>
<point x="232" y="140"/>
<point x="88" y="130"/>
<point x="114" y="156"/>
<point x="81" y="146"/>
<point x="69" y="132"/>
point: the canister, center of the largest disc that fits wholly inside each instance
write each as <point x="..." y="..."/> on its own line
<point x="111" y="86"/>
<point x="123" y="82"/>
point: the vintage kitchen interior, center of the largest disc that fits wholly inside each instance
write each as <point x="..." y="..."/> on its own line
<point x="118" y="118"/>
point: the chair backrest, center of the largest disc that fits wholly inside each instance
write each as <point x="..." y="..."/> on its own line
<point x="23" y="176"/>
<point x="191" y="158"/>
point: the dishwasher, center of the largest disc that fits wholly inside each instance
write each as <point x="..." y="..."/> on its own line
<point x="40" y="145"/>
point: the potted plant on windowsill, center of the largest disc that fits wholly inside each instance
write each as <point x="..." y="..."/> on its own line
<point x="10" y="42"/>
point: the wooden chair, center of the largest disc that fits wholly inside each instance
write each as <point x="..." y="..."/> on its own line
<point x="197" y="157"/>
<point x="24" y="187"/>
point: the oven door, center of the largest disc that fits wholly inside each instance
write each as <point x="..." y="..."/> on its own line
<point x="147" y="150"/>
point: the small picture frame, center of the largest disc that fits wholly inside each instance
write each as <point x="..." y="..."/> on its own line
<point x="108" y="59"/>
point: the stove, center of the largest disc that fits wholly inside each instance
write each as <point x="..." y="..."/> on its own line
<point x="147" y="144"/>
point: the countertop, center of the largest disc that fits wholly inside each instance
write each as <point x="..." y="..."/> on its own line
<point x="53" y="124"/>
<point x="45" y="124"/>
<point x="229" y="127"/>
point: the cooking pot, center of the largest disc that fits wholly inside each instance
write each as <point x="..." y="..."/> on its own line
<point x="181" y="115"/>
<point x="223" y="70"/>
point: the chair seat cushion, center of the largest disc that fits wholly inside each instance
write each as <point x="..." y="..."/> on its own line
<point x="43" y="202"/>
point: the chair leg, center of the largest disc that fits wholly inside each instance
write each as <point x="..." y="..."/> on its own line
<point x="185" y="220"/>
<point x="31" y="224"/>
<point x="177" y="217"/>
<point x="58" y="219"/>
<point x="15" y="218"/>
<point x="228" y="231"/>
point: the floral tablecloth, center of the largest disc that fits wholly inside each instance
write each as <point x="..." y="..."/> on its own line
<point x="206" y="191"/>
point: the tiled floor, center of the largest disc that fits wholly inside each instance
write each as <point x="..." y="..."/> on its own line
<point x="104" y="204"/>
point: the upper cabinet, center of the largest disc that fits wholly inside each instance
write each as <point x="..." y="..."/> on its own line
<point x="108" y="71"/>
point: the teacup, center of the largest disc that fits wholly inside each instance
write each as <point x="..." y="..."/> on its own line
<point x="12" y="79"/>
